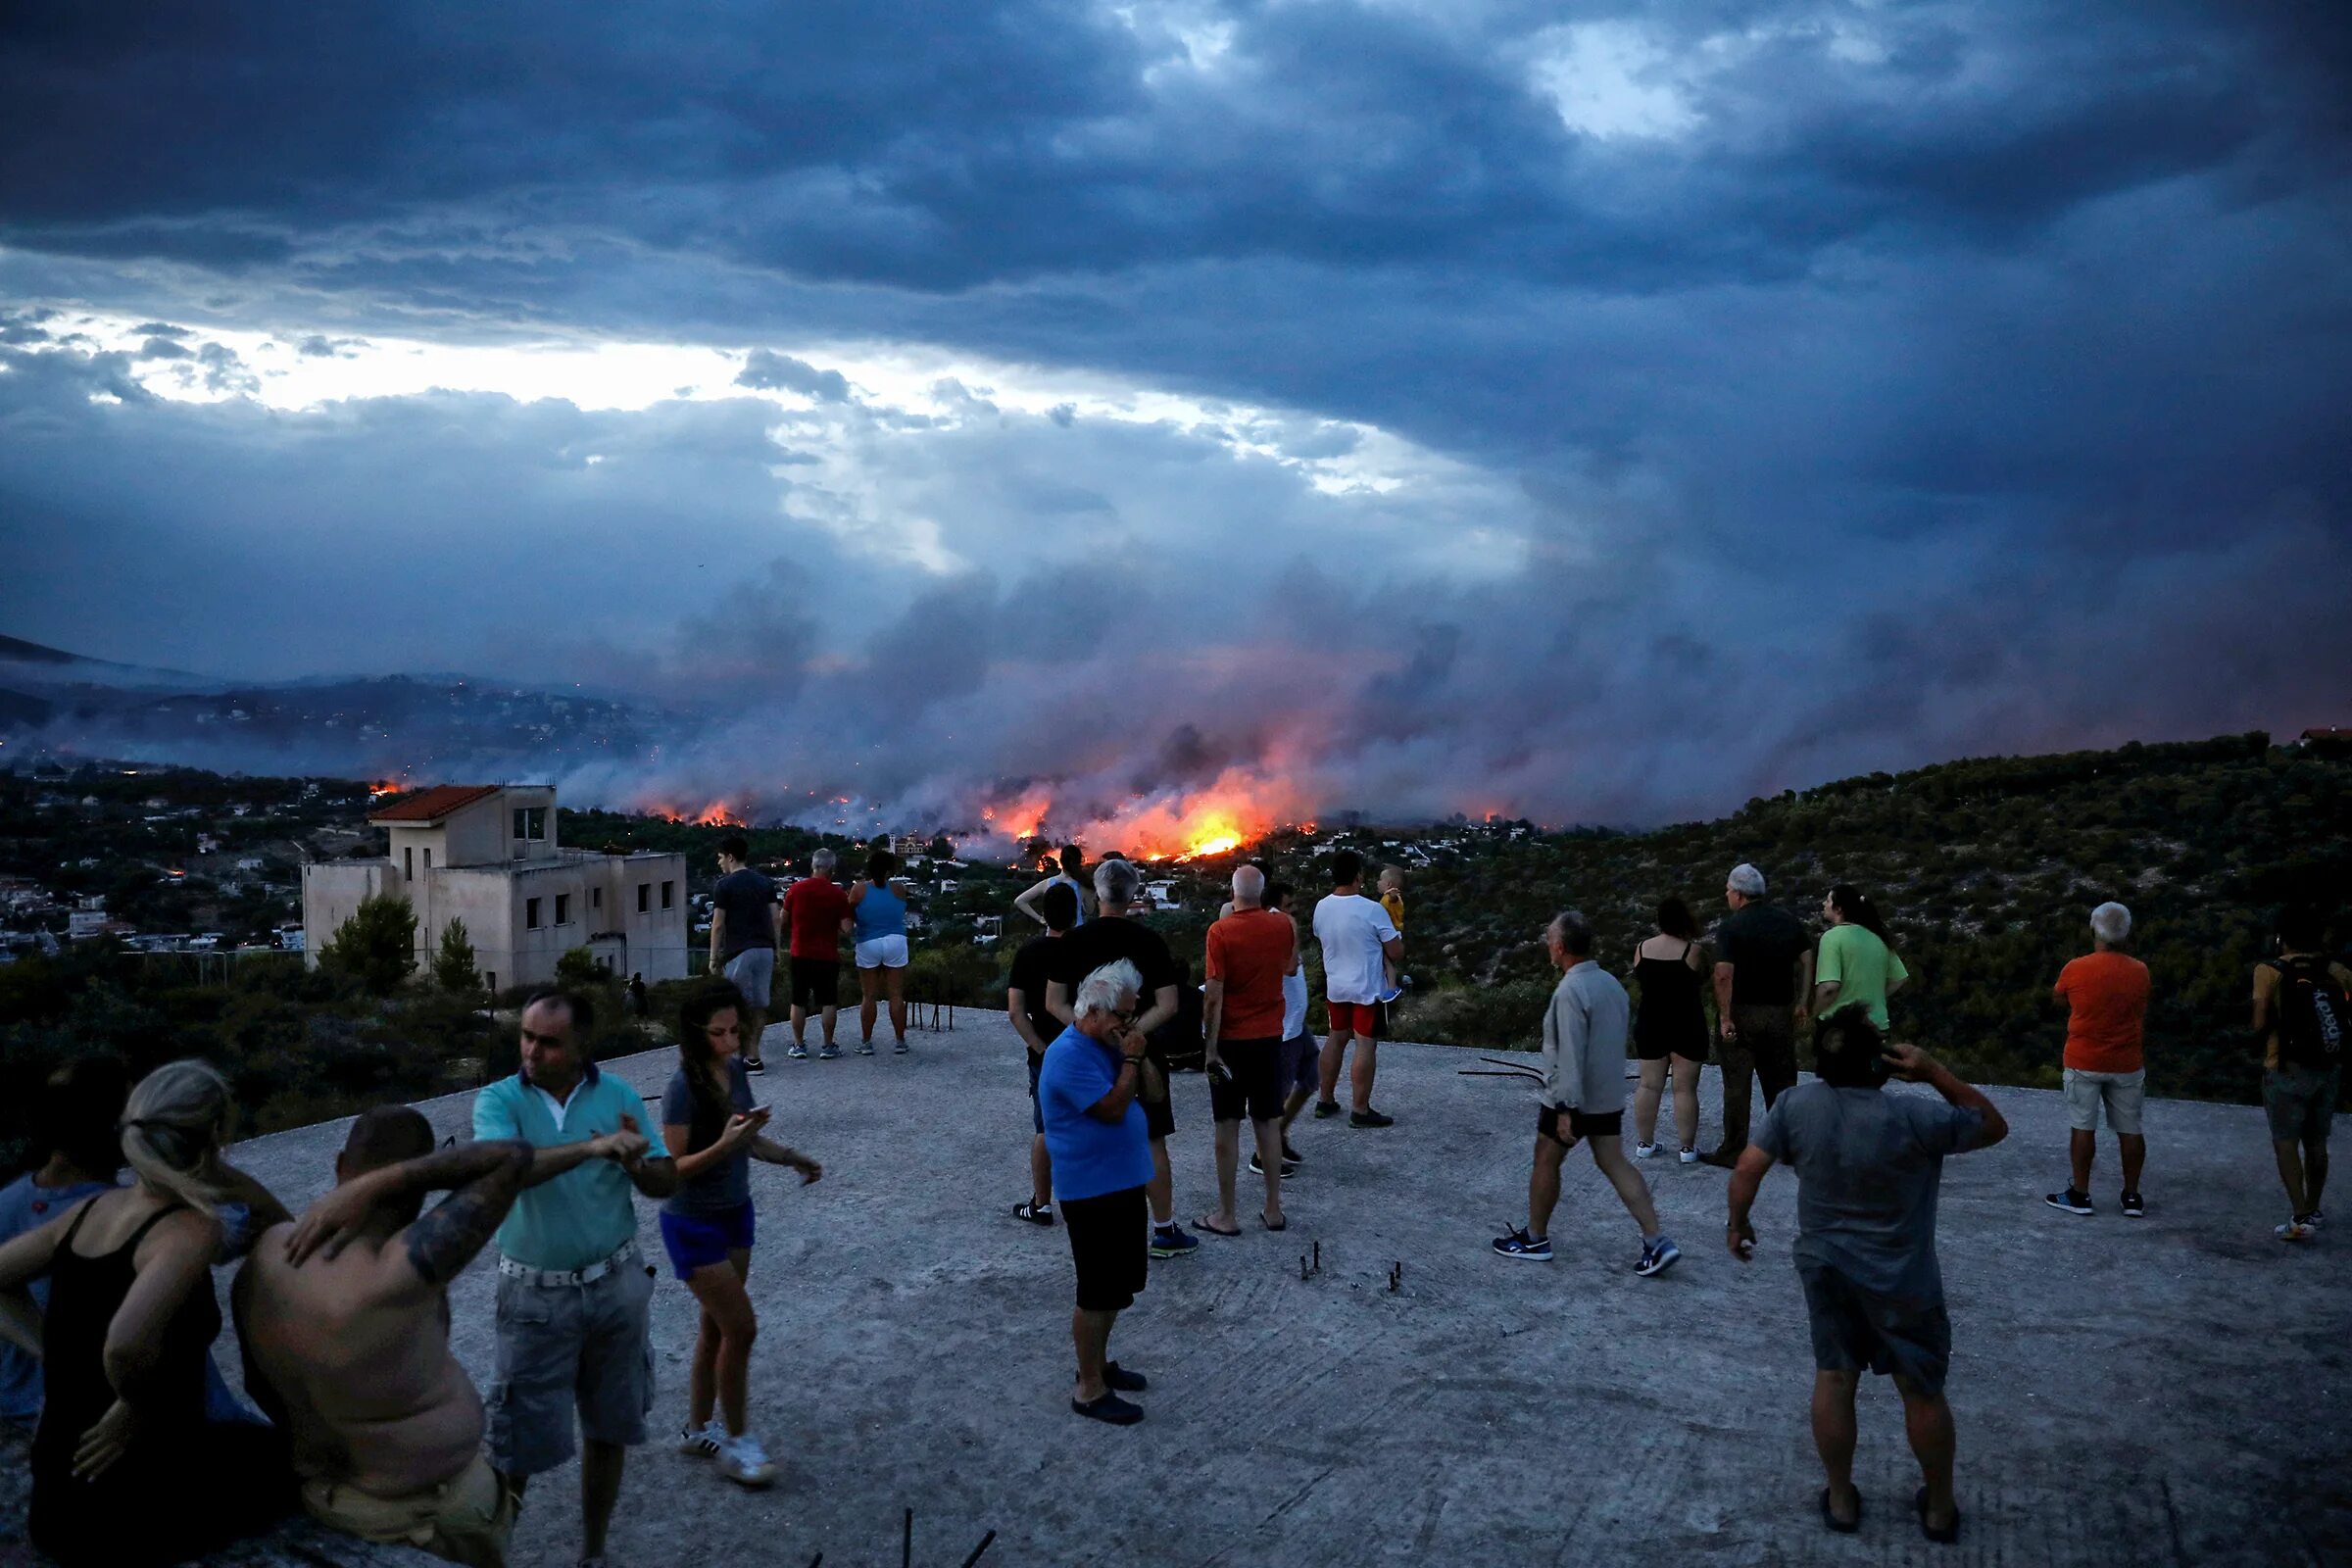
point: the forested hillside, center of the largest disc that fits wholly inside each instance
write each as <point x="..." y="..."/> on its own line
<point x="1987" y="869"/>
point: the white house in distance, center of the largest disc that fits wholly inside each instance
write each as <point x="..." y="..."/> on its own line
<point x="487" y="855"/>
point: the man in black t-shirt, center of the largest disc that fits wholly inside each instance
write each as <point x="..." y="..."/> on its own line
<point x="1025" y="1006"/>
<point x="1110" y="936"/>
<point x="1763" y="981"/>
<point x="743" y="939"/>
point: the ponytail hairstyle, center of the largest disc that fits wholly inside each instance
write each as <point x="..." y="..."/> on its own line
<point x="172" y="1133"/>
<point x="702" y="1005"/>
<point x="1855" y="904"/>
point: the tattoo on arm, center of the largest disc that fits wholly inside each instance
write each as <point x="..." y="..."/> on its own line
<point x="443" y="1242"/>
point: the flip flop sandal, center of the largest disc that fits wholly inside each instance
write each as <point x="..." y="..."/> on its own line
<point x="1844" y="1526"/>
<point x="1213" y="1231"/>
<point x="1272" y="1226"/>
<point x="1945" y="1537"/>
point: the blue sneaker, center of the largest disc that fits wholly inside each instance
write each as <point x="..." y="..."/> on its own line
<point x="1173" y="1241"/>
<point x="1521" y="1245"/>
<point x="1659" y="1256"/>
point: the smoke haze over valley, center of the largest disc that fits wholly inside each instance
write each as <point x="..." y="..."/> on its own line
<point x="1135" y="422"/>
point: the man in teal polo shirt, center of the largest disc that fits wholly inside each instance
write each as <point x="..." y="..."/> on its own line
<point x="573" y="1292"/>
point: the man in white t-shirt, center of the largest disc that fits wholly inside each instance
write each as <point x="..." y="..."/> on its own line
<point x="1358" y="940"/>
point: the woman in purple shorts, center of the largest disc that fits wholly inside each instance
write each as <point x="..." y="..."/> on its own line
<point x="712" y="1124"/>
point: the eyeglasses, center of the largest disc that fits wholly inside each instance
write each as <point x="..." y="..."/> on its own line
<point x="1123" y="1014"/>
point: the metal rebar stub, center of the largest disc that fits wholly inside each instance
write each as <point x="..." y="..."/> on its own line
<point x="1303" y="1268"/>
<point x="1318" y="1258"/>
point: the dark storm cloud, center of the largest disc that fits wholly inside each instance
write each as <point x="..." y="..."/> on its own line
<point x="771" y="371"/>
<point x="1877" y="383"/>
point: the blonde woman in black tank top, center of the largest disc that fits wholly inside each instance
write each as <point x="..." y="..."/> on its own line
<point x="1669" y="1027"/>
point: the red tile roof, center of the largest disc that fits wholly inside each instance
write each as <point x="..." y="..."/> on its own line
<point x="430" y="806"/>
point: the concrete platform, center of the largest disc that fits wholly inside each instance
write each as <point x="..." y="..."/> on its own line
<point x="2171" y="1390"/>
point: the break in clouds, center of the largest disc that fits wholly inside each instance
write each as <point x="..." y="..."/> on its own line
<point x="1411" y="409"/>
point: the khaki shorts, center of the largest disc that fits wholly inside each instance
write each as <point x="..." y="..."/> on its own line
<point x="465" y="1519"/>
<point x="2121" y="1092"/>
<point x="567" y="1347"/>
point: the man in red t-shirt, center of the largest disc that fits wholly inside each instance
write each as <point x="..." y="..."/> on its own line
<point x="1249" y="950"/>
<point x="817" y="911"/>
<point x="2106" y="994"/>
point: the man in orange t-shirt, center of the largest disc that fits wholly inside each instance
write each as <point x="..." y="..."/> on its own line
<point x="1249" y="950"/>
<point x="2106" y="994"/>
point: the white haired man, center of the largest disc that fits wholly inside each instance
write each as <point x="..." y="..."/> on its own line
<point x="1250" y="953"/>
<point x="2106" y="996"/>
<point x="817" y="911"/>
<point x="1583" y="1085"/>
<point x="1087" y="1093"/>
<point x="1763" y="983"/>
<point x="1112" y="935"/>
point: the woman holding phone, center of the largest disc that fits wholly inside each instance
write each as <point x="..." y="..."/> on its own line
<point x="711" y="1123"/>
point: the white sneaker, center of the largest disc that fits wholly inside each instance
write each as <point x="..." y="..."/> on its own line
<point x="1689" y="1157"/>
<point x="1645" y="1150"/>
<point x="703" y="1444"/>
<point x="2294" y="1230"/>
<point x="744" y="1461"/>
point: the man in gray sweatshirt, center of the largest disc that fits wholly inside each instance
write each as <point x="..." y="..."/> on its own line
<point x="1583" y="1085"/>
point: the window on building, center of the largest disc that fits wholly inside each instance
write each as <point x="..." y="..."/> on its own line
<point x="530" y="914"/>
<point x="530" y="822"/>
<point x="428" y="856"/>
<point x="645" y="890"/>
<point x="562" y="909"/>
<point x="596" y="897"/>
<point x="669" y="894"/>
<point x="408" y="864"/>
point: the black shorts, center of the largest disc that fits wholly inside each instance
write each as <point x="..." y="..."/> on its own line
<point x="1599" y="1124"/>
<point x="815" y="983"/>
<point x="1661" y="1044"/>
<point x="1111" y="1242"/>
<point x="1037" y="1109"/>
<point x="1160" y="1120"/>
<point x="1255" y="1089"/>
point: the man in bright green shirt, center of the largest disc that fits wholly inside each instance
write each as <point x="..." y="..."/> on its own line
<point x="1853" y="962"/>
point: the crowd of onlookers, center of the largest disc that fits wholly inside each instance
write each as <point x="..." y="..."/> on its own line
<point x="141" y="1454"/>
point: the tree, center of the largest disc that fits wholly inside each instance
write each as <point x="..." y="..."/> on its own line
<point x="579" y="968"/>
<point x="942" y="848"/>
<point x="376" y="945"/>
<point x="453" y="969"/>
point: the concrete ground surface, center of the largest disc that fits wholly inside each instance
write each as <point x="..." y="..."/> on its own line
<point x="2168" y="1390"/>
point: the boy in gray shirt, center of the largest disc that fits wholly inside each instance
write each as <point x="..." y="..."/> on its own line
<point x="1584" y="1083"/>
<point x="1869" y="1166"/>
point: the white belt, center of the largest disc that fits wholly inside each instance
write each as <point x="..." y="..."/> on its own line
<point x="560" y="1278"/>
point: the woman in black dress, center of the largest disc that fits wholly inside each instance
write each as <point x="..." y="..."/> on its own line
<point x="126" y="1473"/>
<point x="1671" y="1027"/>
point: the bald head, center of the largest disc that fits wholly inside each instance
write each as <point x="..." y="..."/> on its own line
<point x="1249" y="887"/>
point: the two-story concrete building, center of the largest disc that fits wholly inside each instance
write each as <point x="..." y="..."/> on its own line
<point x="487" y="855"/>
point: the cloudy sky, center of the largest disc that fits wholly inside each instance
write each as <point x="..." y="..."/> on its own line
<point x="1599" y="413"/>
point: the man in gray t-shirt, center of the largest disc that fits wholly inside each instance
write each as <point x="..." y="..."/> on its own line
<point x="1867" y="1168"/>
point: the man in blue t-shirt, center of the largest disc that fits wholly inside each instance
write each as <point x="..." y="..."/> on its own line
<point x="1101" y="1155"/>
<point x="1869" y="1166"/>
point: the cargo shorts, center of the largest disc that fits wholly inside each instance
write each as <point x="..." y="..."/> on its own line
<point x="562" y="1348"/>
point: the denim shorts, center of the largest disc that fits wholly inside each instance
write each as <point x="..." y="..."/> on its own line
<point x="698" y="1241"/>
<point x="2301" y="1103"/>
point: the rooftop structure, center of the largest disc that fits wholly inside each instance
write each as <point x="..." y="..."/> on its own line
<point x="488" y="854"/>
<point x="2165" y="1391"/>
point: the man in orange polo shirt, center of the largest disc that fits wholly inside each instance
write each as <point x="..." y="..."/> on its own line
<point x="2106" y="994"/>
<point x="1249" y="950"/>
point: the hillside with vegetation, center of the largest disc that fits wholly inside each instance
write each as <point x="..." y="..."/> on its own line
<point x="1987" y="870"/>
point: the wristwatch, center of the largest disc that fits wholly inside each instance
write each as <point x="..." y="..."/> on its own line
<point x="1132" y="1061"/>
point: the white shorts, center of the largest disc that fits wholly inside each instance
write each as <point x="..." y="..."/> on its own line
<point x="883" y="953"/>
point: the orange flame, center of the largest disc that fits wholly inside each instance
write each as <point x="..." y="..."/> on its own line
<point x="1240" y="808"/>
